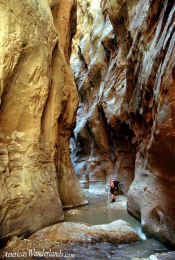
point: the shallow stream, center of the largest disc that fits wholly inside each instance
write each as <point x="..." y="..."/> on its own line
<point x="101" y="211"/>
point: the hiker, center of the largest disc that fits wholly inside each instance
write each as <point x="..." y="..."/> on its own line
<point x="114" y="187"/>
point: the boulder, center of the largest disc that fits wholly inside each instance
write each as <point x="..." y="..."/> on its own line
<point x="116" y="232"/>
<point x="51" y="238"/>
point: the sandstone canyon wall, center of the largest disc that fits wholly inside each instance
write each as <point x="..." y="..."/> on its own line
<point x="124" y="65"/>
<point x="38" y="101"/>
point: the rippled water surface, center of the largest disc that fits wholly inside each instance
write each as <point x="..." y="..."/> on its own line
<point x="108" y="251"/>
<point x="101" y="211"/>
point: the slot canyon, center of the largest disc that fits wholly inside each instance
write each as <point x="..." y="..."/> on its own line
<point x="86" y="91"/>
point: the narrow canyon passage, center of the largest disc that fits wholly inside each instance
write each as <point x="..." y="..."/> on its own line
<point x="123" y="63"/>
<point x="86" y="93"/>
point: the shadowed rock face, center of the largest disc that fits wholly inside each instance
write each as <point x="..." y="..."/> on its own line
<point x="125" y="74"/>
<point x="37" y="109"/>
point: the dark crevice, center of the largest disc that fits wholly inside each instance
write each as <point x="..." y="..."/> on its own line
<point x="82" y="58"/>
<point x="169" y="7"/>
<point x="109" y="46"/>
<point x="4" y="242"/>
<point x="50" y="86"/>
<point x="166" y="16"/>
<point x="148" y="95"/>
<point x="107" y="52"/>
<point x="173" y="73"/>
<point x="154" y="15"/>
<point x="108" y="129"/>
<point x="73" y="24"/>
<point x="83" y="143"/>
<point x="125" y="131"/>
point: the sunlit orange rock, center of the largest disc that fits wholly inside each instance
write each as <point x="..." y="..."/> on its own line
<point x="37" y="113"/>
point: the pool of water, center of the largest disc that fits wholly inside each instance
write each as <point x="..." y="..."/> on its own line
<point x="101" y="211"/>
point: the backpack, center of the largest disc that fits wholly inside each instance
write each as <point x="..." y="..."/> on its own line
<point x="116" y="188"/>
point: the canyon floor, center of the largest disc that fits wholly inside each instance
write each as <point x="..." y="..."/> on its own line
<point x="99" y="212"/>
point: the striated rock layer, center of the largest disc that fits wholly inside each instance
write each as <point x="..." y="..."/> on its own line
<point x="125" y="72"/>
<point x="38" y="101"/>
<point x="91" y="146"/>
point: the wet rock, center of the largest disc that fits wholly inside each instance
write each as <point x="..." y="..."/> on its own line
<point x="118" y="232"/>
<point x="163" y="256"/>
<point x="120" y="203"/>
<point x="126" y="112"/>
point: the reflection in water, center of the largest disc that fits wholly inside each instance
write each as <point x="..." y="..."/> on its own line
<point x="101" y="211"/>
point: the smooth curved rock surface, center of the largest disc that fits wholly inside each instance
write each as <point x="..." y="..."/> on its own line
<point x="38" y="101"/>
<point x="125" y="74"/>
<point x="118" y="232"/>
<point x="90" y="143"/>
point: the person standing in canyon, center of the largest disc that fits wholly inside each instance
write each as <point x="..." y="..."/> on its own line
<point x="114" y="183"/>
<point x="114" y="187"/>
